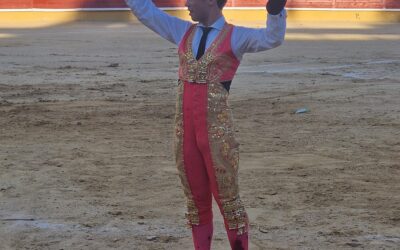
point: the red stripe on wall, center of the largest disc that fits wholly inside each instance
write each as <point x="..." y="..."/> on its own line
<point x="377" y="4"/>
<point x="244" y="3"/>
<point x="54" y="4"/>
<point x="392" y="4"/>
<point x="310" y="3"/>
<point x="65" y="4"/>
<point x="16" y="4"/>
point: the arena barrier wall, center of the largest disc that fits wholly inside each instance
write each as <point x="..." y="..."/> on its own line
<point x="16" y="13"/>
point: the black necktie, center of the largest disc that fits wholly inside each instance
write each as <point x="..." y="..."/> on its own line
<point x="203" y="41"/>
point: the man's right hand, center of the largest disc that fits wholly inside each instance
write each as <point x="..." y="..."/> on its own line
<point x="274" y="7"/>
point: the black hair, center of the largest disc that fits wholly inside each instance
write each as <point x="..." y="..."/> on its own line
<point x="221" y="3"/>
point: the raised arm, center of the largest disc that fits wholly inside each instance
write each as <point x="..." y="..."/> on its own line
<point x="167" y="26"/>
<point x="246" y="40"/>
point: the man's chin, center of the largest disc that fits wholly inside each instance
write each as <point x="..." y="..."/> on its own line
<point x="193" y="17"/>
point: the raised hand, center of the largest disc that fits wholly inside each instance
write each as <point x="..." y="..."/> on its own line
<point x="274" y="7"/>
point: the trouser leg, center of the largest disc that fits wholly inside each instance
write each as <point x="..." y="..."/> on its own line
<point x="221" y="158"/>
<point x="194" y="166"/>
<point x="197" y="178"/>
<point x="232" y="210"/>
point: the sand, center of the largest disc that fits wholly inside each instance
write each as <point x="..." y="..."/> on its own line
<point x="86" y="141"/>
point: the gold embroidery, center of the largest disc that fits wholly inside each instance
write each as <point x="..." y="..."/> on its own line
<point x="198" y="71"/>
<point x="225" y="155"/>
<point x="235" y="215"/>
<point x="218" y="67"/>
<point x="192" y="215"/>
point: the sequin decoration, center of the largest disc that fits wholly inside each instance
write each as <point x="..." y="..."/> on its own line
<point x="235" y="215"/>
<point x="225" y="156"/>
<point x="192" y="214"/>
<point x="197" y="71"/>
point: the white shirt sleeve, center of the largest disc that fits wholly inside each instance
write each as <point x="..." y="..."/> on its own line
<point x="171" y="28"/>
<point x="246" y="40"/>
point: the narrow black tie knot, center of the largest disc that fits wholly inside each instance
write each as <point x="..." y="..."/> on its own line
<point x="203" y="41"/>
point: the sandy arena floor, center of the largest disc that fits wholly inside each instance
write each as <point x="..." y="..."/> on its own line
<point x="86" y="152"/>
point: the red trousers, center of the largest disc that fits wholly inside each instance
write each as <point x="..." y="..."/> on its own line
<point x="196" y="150"/>
<point x="199" y="169"/>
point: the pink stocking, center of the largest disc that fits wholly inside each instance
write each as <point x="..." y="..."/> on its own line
<point x="238" y="242"/>
<point x="202" y="236"/>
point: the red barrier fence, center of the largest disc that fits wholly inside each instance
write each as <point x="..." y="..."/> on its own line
<point x="67" y="4"/>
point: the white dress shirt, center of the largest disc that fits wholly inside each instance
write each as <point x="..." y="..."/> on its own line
<point x="243" y="39"/>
